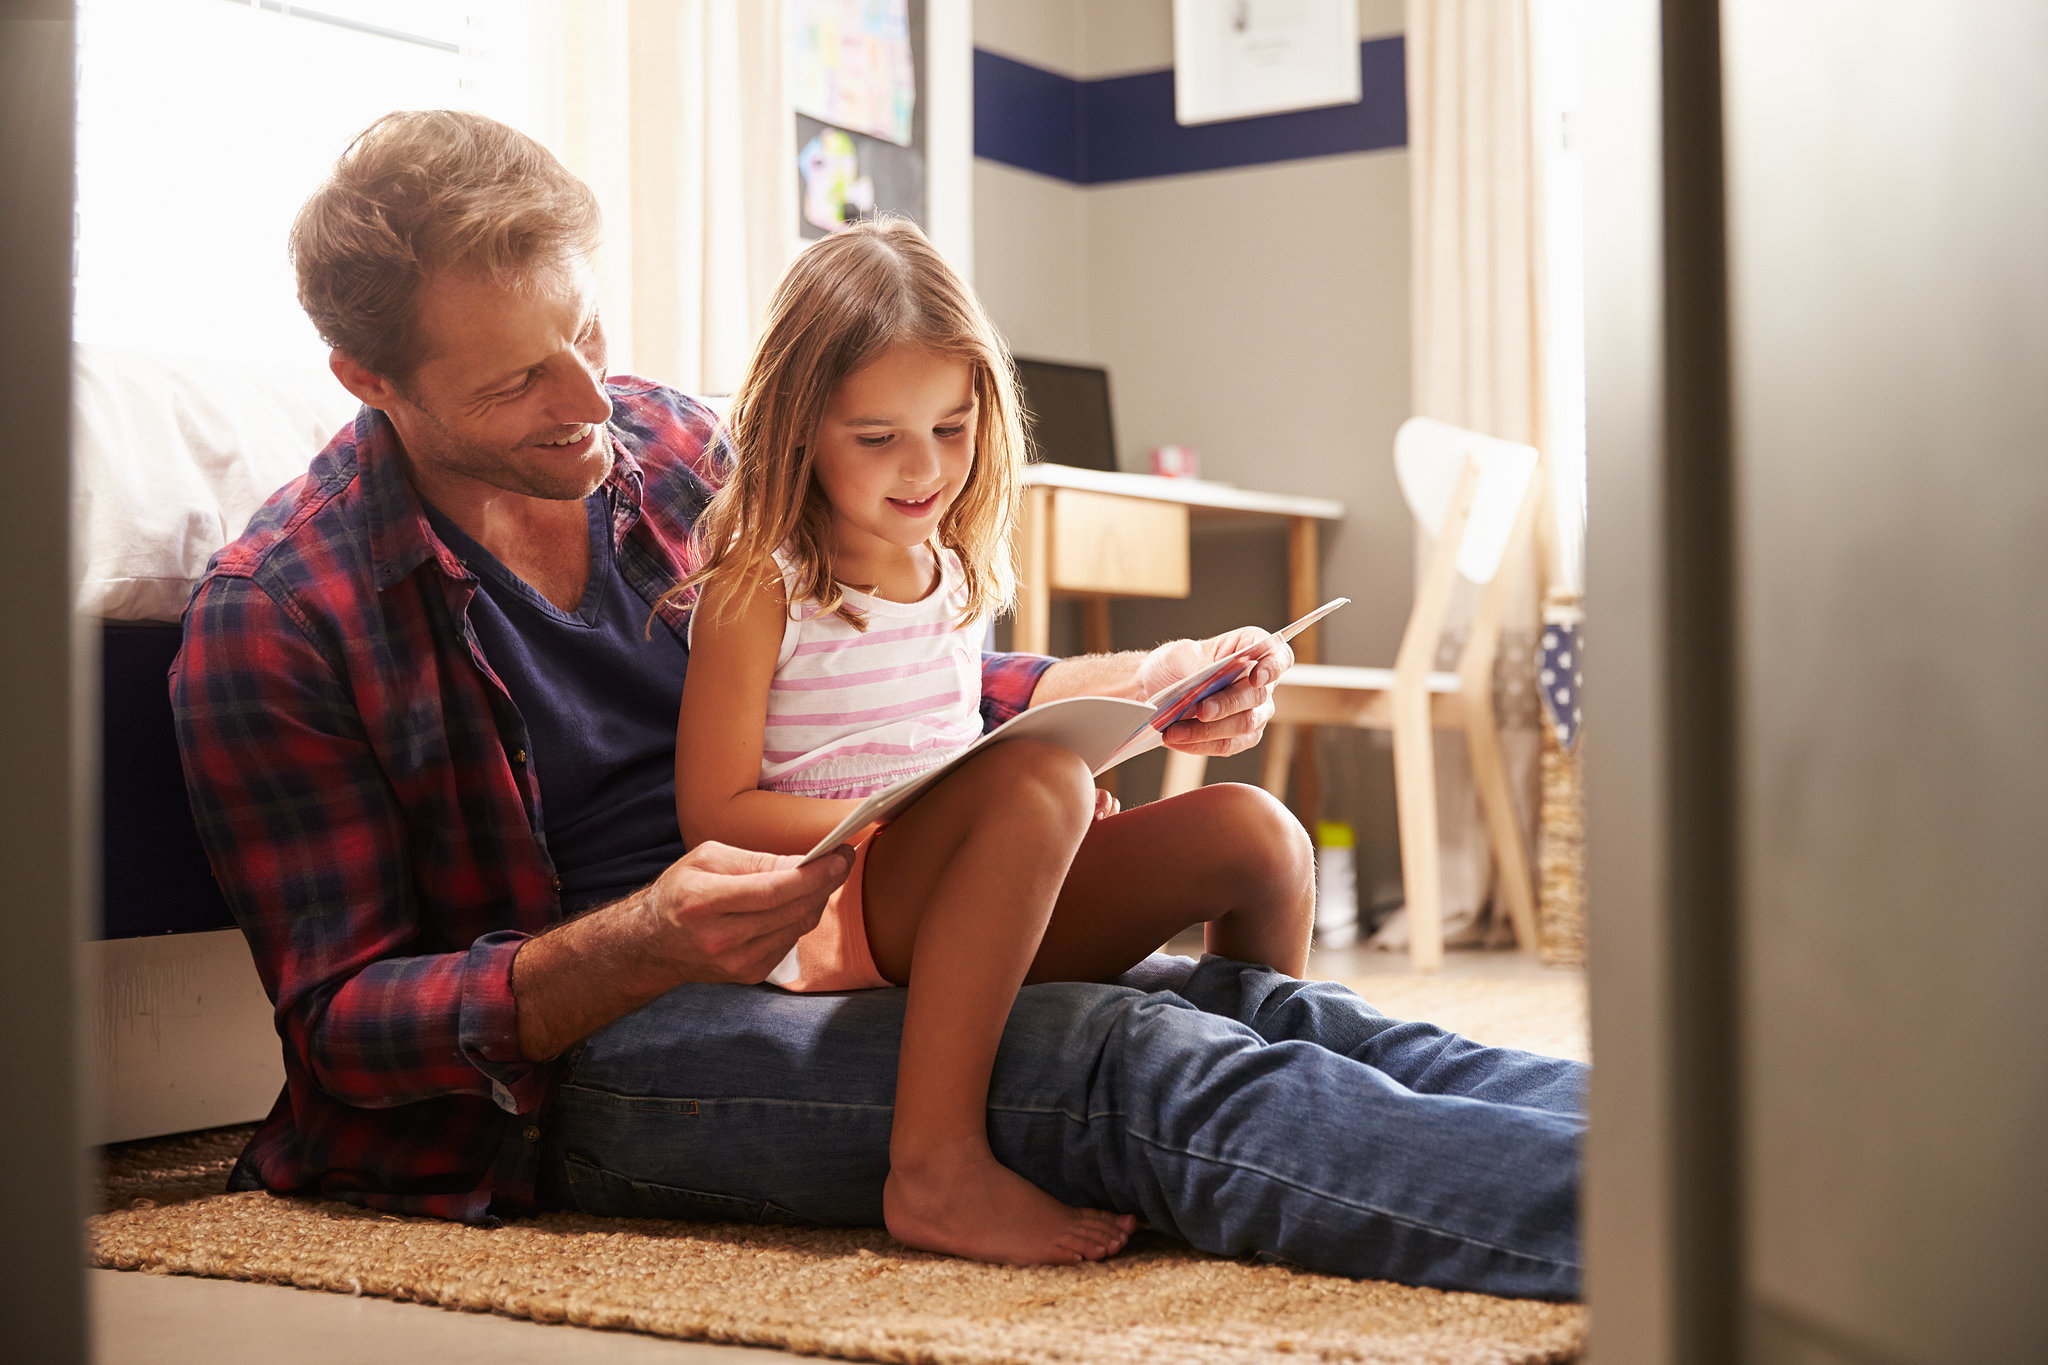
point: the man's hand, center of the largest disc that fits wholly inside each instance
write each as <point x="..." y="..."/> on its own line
<point x="717" y="914"/>
<point x="1234" y="719"/>
<point x="728" y="914"/>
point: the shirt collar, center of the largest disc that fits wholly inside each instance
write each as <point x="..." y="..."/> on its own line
<point x="400" y="538"/>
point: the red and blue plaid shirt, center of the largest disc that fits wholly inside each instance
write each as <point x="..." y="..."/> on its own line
<point x="359" y="776"/>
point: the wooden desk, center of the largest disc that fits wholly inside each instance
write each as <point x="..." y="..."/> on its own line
<point x="1093" y="535"/>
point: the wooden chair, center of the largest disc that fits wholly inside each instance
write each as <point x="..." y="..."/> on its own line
<point x="1479" y="497"/>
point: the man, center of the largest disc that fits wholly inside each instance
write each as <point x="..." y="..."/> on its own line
<point x="427" y="714"/>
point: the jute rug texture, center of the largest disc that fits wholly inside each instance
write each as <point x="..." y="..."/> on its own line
<point x="854" y="1294"/>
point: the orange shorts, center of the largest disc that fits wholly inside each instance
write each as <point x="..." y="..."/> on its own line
<point x="835" y="955"/>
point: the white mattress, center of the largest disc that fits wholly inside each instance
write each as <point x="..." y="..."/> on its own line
<point x="171" y="455"/>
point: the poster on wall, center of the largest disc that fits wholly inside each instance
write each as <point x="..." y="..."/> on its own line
<point x="857" y="77"/>
<point x="1242" y="58"/>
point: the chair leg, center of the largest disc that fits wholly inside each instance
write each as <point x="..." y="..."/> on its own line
<point x="1307" y="779"/>
<point x="1415" y="804"/>
<point x="1511" y="862"/>
<point x="1278" y="757"/>
<point x="1184" y="773"/>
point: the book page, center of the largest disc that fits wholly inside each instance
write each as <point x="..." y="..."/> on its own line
<point x="1104" y="731"/>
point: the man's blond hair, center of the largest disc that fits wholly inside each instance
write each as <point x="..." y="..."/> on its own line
<point x="420" y="192"/>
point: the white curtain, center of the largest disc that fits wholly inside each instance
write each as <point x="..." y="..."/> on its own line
<point x="673" y="111"/>
<point x="1479" y="308"/>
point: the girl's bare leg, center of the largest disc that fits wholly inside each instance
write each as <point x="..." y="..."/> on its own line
<point x="1227" y="855"/>
<point x="958" y="892"/>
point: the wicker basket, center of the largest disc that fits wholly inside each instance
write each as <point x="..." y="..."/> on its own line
<point x="1561" y="830"/>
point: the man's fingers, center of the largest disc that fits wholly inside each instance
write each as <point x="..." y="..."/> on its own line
<point x="1213" y="748"/>
<point x="712" y="856"/>
<point x="708" y="890"/>
<point x="725" y="860"/>
<point x="1239" y="699"/>
<point x="744" y="948"/>
<point x="742" y="923"/>
<point x="1230" y="734"/>
<point x="1274" y="660"/>
<point x="763" y="890"/>
<point x="1217" y="646"/>
<point x="734" y="912"/>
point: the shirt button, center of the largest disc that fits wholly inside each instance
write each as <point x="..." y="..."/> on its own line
<point x="556" y="882"/>
<point x="532" y="1134"/>
<point x="519" y="756"/>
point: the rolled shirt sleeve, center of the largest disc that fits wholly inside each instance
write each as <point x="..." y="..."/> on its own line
<point x="1007" y="682"/>
<point x="490" y="1024"/>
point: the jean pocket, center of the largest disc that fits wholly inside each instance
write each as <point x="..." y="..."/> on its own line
<point x="608" y="1194"/>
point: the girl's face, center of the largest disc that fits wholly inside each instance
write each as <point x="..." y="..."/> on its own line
<point x="894" y="450"/>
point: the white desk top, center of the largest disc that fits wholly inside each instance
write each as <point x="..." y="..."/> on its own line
<point x="1196" y="493"/>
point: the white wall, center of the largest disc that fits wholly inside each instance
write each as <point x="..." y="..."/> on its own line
<point x="1257" y="314"/>
<point x="1030" y="258"/>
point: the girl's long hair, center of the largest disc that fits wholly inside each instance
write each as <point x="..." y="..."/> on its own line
<point x="846" y="299"/>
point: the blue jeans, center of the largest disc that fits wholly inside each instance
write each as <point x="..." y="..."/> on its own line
<point x="1237" y="1108"/>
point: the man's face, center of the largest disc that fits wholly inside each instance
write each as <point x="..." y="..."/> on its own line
<point x="511" y="393"/>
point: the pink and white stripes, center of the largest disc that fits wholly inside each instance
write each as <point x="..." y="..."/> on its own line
<point x="850" y="712"/>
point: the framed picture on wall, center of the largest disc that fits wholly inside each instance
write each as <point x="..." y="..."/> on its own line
<point x="857" y="72"/>
<point x="1242" y="58"/>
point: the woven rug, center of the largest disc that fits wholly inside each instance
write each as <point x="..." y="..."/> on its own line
<point x="854" y="1294"/>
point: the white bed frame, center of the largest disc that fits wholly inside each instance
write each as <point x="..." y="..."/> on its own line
<point x="181" y="1035"/>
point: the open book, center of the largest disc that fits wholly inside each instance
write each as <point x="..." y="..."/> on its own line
<point x="1104" y="731"/>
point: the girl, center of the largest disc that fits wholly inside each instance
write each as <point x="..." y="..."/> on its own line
<point x="850" y="563"/>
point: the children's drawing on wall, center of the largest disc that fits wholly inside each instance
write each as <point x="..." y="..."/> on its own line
<point x="857" y="69"/>
<point x="835" y="192"/>
<point x="854" y="66"/>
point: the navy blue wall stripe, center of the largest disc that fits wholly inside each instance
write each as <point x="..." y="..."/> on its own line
<point x="1026" y="117"/>
<point x="1122" y="127"/>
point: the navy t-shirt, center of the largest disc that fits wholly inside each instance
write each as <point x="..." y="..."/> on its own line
<point x="599" y="698"/>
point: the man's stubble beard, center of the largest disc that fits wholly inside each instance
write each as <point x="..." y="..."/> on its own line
<point x="454" y="453"/>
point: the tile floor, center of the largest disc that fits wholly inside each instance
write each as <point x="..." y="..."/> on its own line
<point x="175" y="1320"/>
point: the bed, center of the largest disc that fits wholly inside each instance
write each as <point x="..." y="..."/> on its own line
<point x="171" y="455"/>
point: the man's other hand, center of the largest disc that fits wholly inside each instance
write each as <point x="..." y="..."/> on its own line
<point x="1234" y="719"/>
<point x="731" y="915"/>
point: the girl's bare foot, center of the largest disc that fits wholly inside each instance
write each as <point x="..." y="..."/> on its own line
<point x="967" y="1203"/>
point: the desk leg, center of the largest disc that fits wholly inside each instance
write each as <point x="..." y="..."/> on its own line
<point x="1304" y="588"/>
<point x="1096" y="639"/>
<point x="1184" y="773"/>
<point x="1031" y="628"/>
<point x="1304" y="595"/>
<point x="1095" y="636"/>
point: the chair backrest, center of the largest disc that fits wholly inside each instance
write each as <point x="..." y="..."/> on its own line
<point x="1428" y="457"/>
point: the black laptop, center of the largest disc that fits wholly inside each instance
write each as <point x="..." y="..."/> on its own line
<point x="1067" y="407"/>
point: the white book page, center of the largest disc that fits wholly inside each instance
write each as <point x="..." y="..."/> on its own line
<point x="1104" y="731"/>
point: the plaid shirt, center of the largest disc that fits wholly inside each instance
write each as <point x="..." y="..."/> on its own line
<point x="360" y="779"/>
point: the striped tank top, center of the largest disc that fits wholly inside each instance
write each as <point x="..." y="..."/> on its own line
<point x="850" y="711"/>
